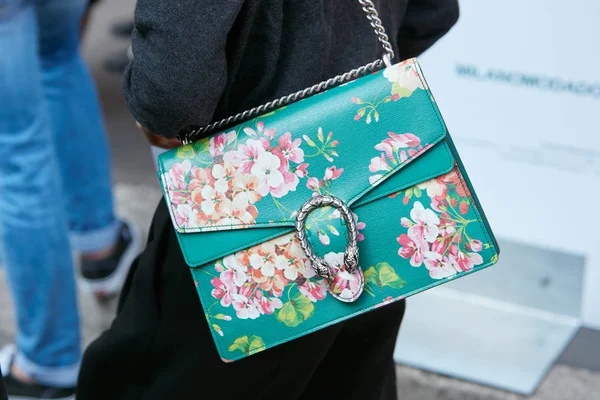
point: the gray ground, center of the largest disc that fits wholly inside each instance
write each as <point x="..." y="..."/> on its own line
<point x="137" y="194"/>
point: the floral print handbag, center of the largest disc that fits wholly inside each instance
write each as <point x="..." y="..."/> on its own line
<point x="323" y="209"/>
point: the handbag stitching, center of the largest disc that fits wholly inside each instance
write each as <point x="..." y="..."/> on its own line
<point x="367" y="309"/>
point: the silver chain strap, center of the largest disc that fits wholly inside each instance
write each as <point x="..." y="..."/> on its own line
<point x="369" y="8"/>
<point x="373" y="17"/>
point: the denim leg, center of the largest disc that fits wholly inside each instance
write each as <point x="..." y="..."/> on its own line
<point x="33" y="231"/>
<point x="78" y="126"/>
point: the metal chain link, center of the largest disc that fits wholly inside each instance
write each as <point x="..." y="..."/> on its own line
<point x="373" y="17"/>
<point x="369" y="8"/>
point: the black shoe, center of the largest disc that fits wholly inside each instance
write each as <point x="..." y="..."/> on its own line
<point x="105" y="277"/>
<point x="17" y="390"/>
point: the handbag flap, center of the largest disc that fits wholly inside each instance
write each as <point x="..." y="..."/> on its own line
<point x="360" y="141"/>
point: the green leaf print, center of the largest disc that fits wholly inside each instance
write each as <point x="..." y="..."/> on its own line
<point x="248" y="345"/>
<point x="417" y="192"/>
<point x="296" y="311"/>
<point x="185" y="152"/>
<point x="382" y="275"/>
<point x="201" y="146"/>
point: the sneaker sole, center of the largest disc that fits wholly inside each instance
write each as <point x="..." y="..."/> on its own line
<point x="112" y="284"/>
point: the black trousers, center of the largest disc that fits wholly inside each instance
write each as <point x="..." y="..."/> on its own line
<point x="160" y="347"/>
<point x="2" y="391"/>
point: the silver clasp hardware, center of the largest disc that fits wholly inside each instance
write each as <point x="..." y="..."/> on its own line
<point x="321" y="267"/>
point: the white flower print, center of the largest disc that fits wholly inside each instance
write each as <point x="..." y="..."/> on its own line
<point x="425" y="223"/>
<point x="266" y="169"/>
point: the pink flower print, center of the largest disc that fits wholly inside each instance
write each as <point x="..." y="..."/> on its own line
<point x="314" y="291"/>
<point x="246" y="187"/>
<point x="246" y="155"/>
<point x="260" y="131"/>
<point x="244" y="308"/>
<point x="218" y="144"/>
<point x="475" y="245"/>
<point x="183" y="213"/>
<point x="412" y="249"/>
<point x="466" y="261"/>
<point x="266" y="305"/>
<point x="359" y="225"/>
<point x="179" y="197"/>
<point x="388" y="150"/>
<point x="439" y="267"/>
<point x="266" y="169"/>
<point x="313" y="184"/>
<point x="275" y="284"/>
<point x="454" y="177"/>
<point x="233" y="272"/>
<point x="402" y="141"/>
<point x="425" y="223"/>
<point x="439" y="246"/>
<point x="345" y="284"/>
<point x="379" y="164"/>
<point x="236" y="212"/>
<point x="178" y="173"/>
<point x="290" y="182"/>
<point x="205" y="221"/>
<point x="332" y="173"/>
<point x="301" y="170"/>
<point x="201" y="177"/>
<point x="290" y="150"/>
<point x="223" y="291"/>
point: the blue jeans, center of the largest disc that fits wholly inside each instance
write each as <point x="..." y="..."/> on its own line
<point x="55" y="184"/>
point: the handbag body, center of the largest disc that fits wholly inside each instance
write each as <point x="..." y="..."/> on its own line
<point x="326" y="205"/>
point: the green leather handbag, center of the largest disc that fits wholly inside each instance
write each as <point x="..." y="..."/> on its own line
<point x="326" y="205"/>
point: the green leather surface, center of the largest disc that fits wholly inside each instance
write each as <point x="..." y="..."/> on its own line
<point x="379" y="144"/>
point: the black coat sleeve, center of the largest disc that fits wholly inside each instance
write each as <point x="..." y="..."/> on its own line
<point x="179" y="70"/>
<point x="425" y="21"/>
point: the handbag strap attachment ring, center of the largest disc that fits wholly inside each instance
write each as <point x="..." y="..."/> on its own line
<point x="321" y="267"/>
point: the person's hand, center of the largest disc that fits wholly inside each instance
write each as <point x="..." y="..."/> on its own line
<point x="159" y="141"/>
